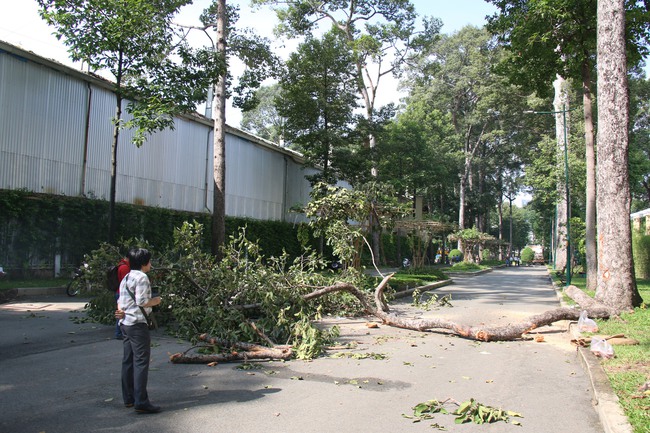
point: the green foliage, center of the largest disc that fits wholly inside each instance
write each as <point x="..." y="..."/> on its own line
<point x="527" y="255"/>
<point x="264" y="120"/>
<point x="245" y="292"/>
<point x="432" y="300"/>
<point x="478" y="413"/>
<point x="639" y="159"/>
<point x="468" y="411"/>
<point x="318" y="98"/>
<point x="34" y="227"/>
<point x="628" y="370"/>
<point x="101" y="308"/>
<point x="466" y="267"/>
<point x="392" y="254"/>
<point x="558" y="37"/>
<point x="133" y="40"/>
<point x="341" y="215"/>
<point x="641" y="254"/>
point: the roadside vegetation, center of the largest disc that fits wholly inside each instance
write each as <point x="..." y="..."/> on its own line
<point x="629" y="369"/>
<point x="6" y="284"/>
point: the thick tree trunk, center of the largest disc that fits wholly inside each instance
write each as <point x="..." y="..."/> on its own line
<point x="219" y="167"/>
<point x="559" y="104"/>
<point x="616" y="281"/>
<point x="590" y="156"/>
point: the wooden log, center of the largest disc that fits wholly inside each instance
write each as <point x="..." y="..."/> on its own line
<point x="238" y="351"/>
<point x="267" y="353"/>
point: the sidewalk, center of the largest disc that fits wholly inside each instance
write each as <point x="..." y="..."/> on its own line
<point x="59" y="376"/>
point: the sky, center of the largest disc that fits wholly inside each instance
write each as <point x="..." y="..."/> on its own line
<point x="21" y="25"/>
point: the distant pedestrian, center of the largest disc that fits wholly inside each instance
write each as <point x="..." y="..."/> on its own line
<point x="134" y="302"/>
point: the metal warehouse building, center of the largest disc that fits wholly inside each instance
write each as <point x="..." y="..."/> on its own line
<point x="56" y="134"/>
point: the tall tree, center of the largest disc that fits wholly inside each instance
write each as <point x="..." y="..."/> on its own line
<point x="414" y="153"/>
<point x="640" y="140"/>
<point x="381" y="34"/>
<point x="134" y="41"/>
<point x="616" y="282"/>
<point x="219" y="25"/>
<point x="264" y="120"/>
<point x="456" y="78"/>
<point x="558" y="37"/>
<point x="317" y="100"/>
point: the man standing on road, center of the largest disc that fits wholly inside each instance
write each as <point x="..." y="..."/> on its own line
<point x="134" y="304"/>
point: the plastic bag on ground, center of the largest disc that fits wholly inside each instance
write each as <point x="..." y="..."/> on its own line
<point x="600" y="347"/>
<point x="585" y="324"/>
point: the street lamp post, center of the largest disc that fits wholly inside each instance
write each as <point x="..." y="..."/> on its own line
<point x="566" y="183"/>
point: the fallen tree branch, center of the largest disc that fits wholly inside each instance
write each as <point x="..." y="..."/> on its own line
<point x="509" y="332"/>
<point x="482" y="333"/>
<point x="239" y="351"/>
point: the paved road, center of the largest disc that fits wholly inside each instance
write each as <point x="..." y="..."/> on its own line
<point x="60" y="376"/>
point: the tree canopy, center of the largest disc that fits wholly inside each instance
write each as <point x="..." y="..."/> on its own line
<point x="134" y="41"/>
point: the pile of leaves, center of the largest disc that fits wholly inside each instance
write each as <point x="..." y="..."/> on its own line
<point x="468" y="411"/>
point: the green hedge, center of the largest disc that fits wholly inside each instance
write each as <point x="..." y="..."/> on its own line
<point x="35" y="227"/>
<point x="641" y="254"/>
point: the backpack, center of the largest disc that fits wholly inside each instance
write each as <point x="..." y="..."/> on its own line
<point x="112" y="280"/>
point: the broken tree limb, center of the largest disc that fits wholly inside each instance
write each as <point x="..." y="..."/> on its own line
<point x="507" y="332"/>
<point x="586" y="302"/>
<point x="239" y="351"/>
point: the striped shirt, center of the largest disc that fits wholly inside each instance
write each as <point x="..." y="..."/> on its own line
<point x="138" y="284"/>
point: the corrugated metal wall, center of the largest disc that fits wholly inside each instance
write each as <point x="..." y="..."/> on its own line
<point x="56" y="134"/>
<point x="41" y="128"/>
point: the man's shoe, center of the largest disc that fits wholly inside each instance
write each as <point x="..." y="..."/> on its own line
<point x="148" y="409"/>
<point x="128" y="404"/>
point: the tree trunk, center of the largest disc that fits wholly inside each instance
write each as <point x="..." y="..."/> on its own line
<point x="616" y="281"/>
<point x="116" y="135"/>
<point x="219" y="167"/>
<point x="113" y="193"/>
<point x="510" y="235"/>
<point x="560" y="104"/>
<point x="500" y="212"/>
<point x="461" y="208"/>
<point x="590" y="155"/>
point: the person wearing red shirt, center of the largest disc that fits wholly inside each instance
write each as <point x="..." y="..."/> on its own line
<point x="123" y="268"/>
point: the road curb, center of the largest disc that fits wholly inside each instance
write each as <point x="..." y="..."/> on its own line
<point x="468" y="274"/>
<point x="611" y="414"/>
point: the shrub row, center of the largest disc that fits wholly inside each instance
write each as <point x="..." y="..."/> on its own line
<point x="34" y="228"/>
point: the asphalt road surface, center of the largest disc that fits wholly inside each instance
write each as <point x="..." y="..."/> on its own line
<point x="58" y="376"/>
